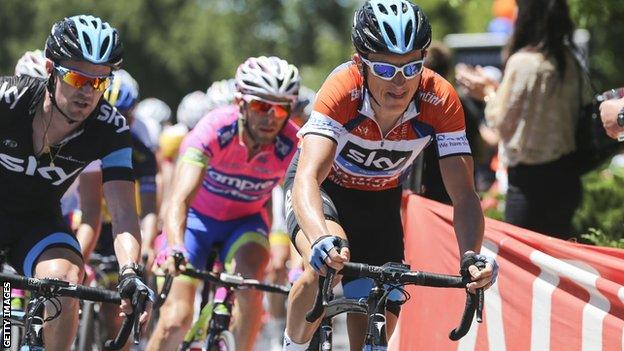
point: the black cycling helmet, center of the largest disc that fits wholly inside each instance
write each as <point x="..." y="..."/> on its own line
<point x="390" y="26"/>
<point x="84" y="38"/>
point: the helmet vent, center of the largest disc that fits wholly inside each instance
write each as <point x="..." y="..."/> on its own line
<point x="409" y="30"/>
<point x="87" y="41"/>
<point x="382" y="9"/>
<point x="394" y="9"/>
<point x="105" y="43"/>
<point x="390" y="33"/>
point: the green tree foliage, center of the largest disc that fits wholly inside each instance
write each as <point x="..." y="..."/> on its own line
<point x="175" y="46"/>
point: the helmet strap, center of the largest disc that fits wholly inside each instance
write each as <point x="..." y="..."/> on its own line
<point x="51" y="87"/>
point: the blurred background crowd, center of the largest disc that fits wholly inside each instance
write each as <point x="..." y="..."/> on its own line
<point x="176" y="47"/>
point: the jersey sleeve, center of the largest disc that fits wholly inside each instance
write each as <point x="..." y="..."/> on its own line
<point x="201" y="143"/>
<point x="449" y="122"/>
<point x="335" y="99"/>
<point x="18" y="96"/>
<point x="145" y="167"/>
<point x="117" y="156"/>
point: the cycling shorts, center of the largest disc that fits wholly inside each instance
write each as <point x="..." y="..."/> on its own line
<point x="203" y="232"/>
<point x="371" y="220"/>
<point x="26" y="238"/>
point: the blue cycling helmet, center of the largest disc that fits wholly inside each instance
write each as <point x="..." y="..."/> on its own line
<point x="390" y="26"/>
<point x="123" y="93"/>
<point x="84" y="38"/>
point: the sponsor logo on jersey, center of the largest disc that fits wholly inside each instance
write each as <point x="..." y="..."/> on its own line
<point x="29" y="167"/>
<point x="283" y="146"/>
<point x="430" y="98"/>
<point x="110" y="115"/>
<point x="11" y="95"/>
<point x="238" y="187"/>
<point x="452" y="143"/>
<point x="374" y="160"/>
<point x="226" y="134"/>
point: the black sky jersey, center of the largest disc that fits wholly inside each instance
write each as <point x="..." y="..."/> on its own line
<point x="30" y="184"/>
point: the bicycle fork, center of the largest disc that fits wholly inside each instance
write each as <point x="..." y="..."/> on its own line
<point x="34" y="325"/>
<point x="376" y="331"/>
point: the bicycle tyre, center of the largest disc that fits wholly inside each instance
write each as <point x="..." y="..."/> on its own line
<point x="224" y="342"/>
<point x="86" y="332"/>
<point x="17" y="334"/>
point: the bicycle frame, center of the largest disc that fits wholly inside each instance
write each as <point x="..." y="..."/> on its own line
<point x="214" y="318"/>
<point x="374" y="308"/>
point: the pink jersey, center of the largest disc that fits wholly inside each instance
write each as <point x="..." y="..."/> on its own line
<point x="234" y="187"/>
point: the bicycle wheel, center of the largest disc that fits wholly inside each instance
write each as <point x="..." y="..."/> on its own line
<point x="17" y="334"/>
<point x="223" y="342"/>
<point x="86" y="332"/>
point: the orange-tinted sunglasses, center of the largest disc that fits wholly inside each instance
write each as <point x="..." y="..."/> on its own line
<point x="280" y="110"/>
<point x="78" y="79"/>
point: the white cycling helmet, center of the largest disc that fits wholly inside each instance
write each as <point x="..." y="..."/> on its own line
<point x="268" y="76"/>
<point x="192" y="108"/>
<point x="221" y="93"/>
<point x="153" y="109"/>
<point x="32" y="64"/>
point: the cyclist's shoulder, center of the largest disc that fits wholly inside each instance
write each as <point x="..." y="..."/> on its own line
<point x="218" y="118"/>
<point x="108" y="120"/>
<point x="341" y="93"/>
<point x="19" y="95"/>
<point x="437" y="98"/>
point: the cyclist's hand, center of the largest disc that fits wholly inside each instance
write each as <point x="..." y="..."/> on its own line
<point x="129" y="285"/>
<point x="324" y="252"/>
<point x="483" y="277"/>
<point x="175" y="253"/>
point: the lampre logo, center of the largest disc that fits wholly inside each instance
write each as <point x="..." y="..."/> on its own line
<point x="238" y="187"/>
<point x="29" y="167"/>
<point x="110" y="115"/>
<point x="374" y="160"/>
<point x="11" y="95"/>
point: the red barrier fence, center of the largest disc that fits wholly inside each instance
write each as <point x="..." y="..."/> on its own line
<point x="550" y="294"/>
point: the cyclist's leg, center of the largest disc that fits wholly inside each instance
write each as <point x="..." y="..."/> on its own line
<point x="373" y="224"/>
<point x="303" y="293"/>
<point x="277" y="272"/>
<point x="50" y="250"/>
<point x="176" y="314"/>
<point x="110" y="312"/>
<point x="246" y="252"/>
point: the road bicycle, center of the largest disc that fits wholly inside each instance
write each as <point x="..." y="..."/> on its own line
<point x="90" y="332"/>
<point x="49" y="290"/>
<point x="386" y="278"/>
<point x="211" y="331"/>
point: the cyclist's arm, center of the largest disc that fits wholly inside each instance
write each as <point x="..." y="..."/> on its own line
<point x="149" y="220"/>
<point x="186" y="181"/>
<point x="121" y="203"/>
<point x="315" y="162"/>
<point x="457" y="173"/>
<point x="88" y="231"/>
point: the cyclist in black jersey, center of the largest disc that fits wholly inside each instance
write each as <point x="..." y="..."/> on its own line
<point x="49" y="131"/>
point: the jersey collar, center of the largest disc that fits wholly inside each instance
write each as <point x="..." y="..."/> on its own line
<point x="366" y="109"/>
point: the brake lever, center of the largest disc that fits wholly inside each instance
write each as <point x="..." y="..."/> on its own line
<point x="138" y="305"/>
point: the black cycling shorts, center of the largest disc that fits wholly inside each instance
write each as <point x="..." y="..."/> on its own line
<point x="26" y="238"/>
<point x="371" y="219"/>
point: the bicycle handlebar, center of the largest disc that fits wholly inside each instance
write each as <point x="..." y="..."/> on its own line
<point x="139" y="299"/>
<point x="234" y="281"/>
<point x="396" y="273"/>
<point x="54" y="287"/>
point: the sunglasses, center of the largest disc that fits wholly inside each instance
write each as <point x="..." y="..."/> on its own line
<point x="78" y="79"/>
<point x="280" y="110"/>
<point x="387" y="71"/>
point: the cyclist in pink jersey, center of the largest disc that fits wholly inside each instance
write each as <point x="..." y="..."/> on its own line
<point x="230" y="163"/>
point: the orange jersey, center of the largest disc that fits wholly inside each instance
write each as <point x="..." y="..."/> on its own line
<point x="367" y="160"/>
